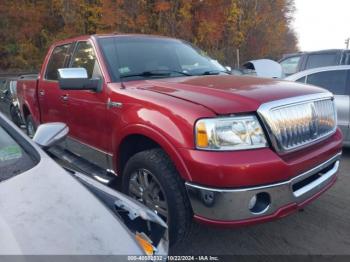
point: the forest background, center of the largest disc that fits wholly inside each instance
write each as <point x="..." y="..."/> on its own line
<point x="257" y="28"/>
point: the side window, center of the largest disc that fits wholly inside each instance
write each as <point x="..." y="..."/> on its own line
<point x="334" y="81"/>
<point x="57" y="60"/>
<point x="347" y="59"/>
<point x="321" y="60"/>
<point x="301" y="80"/>
<point x="290" y="65"/>
<point x="84" y="56"/>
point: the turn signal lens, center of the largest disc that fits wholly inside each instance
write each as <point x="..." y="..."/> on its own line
<point x="202" y="137"/>
<point x="145" y="244"/>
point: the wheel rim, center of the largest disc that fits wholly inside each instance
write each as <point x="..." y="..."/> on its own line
<point x="30" y="129"/>
<point x="145" y="187"/>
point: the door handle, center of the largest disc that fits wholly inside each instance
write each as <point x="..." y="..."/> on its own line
<point x="42" y="92"/>
<point x="64" y="97"/>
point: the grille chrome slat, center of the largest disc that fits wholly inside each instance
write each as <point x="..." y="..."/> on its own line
<point x="297" y="122"/>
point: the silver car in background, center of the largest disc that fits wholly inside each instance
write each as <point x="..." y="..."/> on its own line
<point x="46" y="210"/>
<point x="335" y="79"/>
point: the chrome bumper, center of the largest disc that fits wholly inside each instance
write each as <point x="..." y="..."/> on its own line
<point x="239" y="204"/>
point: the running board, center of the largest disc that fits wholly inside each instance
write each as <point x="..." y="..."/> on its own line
<point x="76" y="163"/>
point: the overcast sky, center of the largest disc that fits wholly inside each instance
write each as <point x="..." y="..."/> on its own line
<point x="322" y="24"/>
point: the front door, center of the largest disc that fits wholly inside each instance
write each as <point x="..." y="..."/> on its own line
<point x="86" y="112"/>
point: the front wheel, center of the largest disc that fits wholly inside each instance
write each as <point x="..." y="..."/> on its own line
<point x="30" y="126"/>
<point x="151" y="178"/>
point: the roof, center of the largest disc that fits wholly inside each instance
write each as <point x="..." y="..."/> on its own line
<point x="85" y="37"/>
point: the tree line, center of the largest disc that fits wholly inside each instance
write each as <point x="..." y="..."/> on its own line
<point x="223" y="28"/>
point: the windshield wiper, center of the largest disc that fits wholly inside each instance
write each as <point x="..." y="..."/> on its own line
<point x="156" y="73"/>
<point x="214" y="72"/>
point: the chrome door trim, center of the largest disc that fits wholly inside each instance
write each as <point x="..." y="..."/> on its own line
<point x="94" y="155"/>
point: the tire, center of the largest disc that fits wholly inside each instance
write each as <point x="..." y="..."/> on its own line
<point x="159" y="169"/>
<point x="30" y="126"/>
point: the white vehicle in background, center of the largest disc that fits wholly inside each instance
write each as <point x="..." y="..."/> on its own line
<point x="46" y="210"/>
<point x="335" y="79"/>
<point x="265" y="68"/>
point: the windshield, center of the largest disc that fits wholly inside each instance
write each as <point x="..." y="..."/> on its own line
<point x="141" y="57"/>
<point x="14" y="159"/>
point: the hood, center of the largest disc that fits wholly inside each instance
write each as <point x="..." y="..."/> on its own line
<point x="226" y="94"/>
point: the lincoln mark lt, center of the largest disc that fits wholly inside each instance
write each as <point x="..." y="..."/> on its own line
<point x="187" y="139"/>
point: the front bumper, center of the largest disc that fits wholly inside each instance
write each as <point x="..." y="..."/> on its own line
<point x="214" y="205"/>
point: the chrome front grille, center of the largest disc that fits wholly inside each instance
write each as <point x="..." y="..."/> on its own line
<point x="296" y="122"/>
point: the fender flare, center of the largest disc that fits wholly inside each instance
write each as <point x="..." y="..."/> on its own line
<point x="157" y="137"/>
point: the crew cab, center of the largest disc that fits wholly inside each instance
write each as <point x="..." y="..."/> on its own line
<point x="188" y="139"/>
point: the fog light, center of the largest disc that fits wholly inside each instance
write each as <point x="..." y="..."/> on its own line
<point x="252" y="202"/>
<point x="259" y="203"/>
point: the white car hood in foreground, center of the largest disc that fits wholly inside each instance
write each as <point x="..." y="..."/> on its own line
<point x="48" y="212"/>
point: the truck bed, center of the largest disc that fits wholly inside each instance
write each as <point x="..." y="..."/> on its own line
<point x="27" y="91"/>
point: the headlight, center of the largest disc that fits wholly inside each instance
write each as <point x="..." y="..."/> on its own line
<point x="229" y="133"/>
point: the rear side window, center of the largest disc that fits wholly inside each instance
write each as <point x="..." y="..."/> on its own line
<point x="301" y="80"/>
<point x="347" y="59"/>
<point x="321" y="60"/>
<point x="84" y="56"/>
<point x="334" y="81"/>
<point x="57" y="60"/>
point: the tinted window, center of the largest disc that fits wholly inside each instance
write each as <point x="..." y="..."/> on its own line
<point x="57" y="60"/>
<point x="128" y="56"/>
<point x="320" y="60"/>
<point x="301" y="80"/>
<point x="84" y="56"/>
<point x="334" y="81"/>
<point x="347" y="59"/>
<point x="13" y="158"/>
<point x="290" y="65"/>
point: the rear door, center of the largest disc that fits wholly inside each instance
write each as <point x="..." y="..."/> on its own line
<point x="87" y="110"/>
<point x="336" y="81"/>
<point x="51" y="98"/>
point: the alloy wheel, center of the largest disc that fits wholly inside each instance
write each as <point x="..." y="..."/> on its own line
<point x="145" y="187"/>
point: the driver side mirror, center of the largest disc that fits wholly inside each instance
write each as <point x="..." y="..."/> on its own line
<point x="77" y="79"/>
<point x="50" y="134"/>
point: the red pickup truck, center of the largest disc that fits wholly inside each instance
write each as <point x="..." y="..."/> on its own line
<point x="188" y="139"/>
